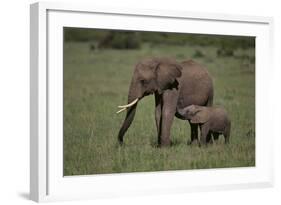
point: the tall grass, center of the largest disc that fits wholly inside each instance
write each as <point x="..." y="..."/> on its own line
<point x="96" y="81"/>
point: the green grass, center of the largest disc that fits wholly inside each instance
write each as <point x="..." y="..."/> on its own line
<point x="95" y="82"/>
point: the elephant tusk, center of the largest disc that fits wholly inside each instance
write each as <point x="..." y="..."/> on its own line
<point x="121" y="110"/>
<point x="129" y="105"/>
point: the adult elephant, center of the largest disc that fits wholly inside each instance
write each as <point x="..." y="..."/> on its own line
<point x="175" y="86"/>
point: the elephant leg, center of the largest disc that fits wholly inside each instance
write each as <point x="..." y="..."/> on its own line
<point x="158" y="109"/>
<point x="167" y="115"/>
<point x="216" y="136"/>
<point x="209" y="138"/>
<point x="227" y="134"/>
<point x="226" y="138"/>
<point x="193" y="133"/>
<point x="204" y="133"/>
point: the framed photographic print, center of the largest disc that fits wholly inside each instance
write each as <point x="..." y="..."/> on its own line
<point x="127" y="102"/>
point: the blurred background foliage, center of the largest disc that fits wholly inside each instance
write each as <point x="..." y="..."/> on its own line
<point x="116" y="39"/>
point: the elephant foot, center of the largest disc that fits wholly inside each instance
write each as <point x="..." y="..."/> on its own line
<point x="203" y="144"/>
<point x="120" y="142"/>
<point x="165" y="143"/>
<point x="192" y="142"/>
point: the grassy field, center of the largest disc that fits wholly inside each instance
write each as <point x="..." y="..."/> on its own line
<point x="96" y="81"/>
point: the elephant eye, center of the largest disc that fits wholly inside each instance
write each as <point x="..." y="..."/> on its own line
<point x="143" y="81"/>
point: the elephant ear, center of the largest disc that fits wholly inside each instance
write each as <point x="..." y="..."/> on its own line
<point x="199" y="115"/>
<point x="166" y="74"/>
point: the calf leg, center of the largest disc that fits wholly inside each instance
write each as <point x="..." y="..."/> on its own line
<point x="227" y="133"/>
<point x="209" y="138"/>
<point x="216" y="137"/>
<point x="204" y="133"/>
<point x="226" y="138"/>
<point x="193" y="133"/>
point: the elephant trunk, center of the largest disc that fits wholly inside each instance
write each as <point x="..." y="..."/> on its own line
<point x="127" y="122"/>
<point x="134" y="94"/>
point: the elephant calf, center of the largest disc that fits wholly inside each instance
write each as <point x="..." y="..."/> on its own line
<point x="213" y="121"/>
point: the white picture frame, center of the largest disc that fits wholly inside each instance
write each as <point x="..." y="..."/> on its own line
<point x="47" y="182"/>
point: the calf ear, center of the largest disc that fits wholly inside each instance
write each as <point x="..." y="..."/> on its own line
<point x="200" y="115"/>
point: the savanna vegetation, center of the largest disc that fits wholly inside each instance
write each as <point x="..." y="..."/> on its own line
<point x="98" y="66"/>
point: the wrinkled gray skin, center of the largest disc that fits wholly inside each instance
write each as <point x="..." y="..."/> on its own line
<point x="213" y="121"/>
<point x="175" y="86"/>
